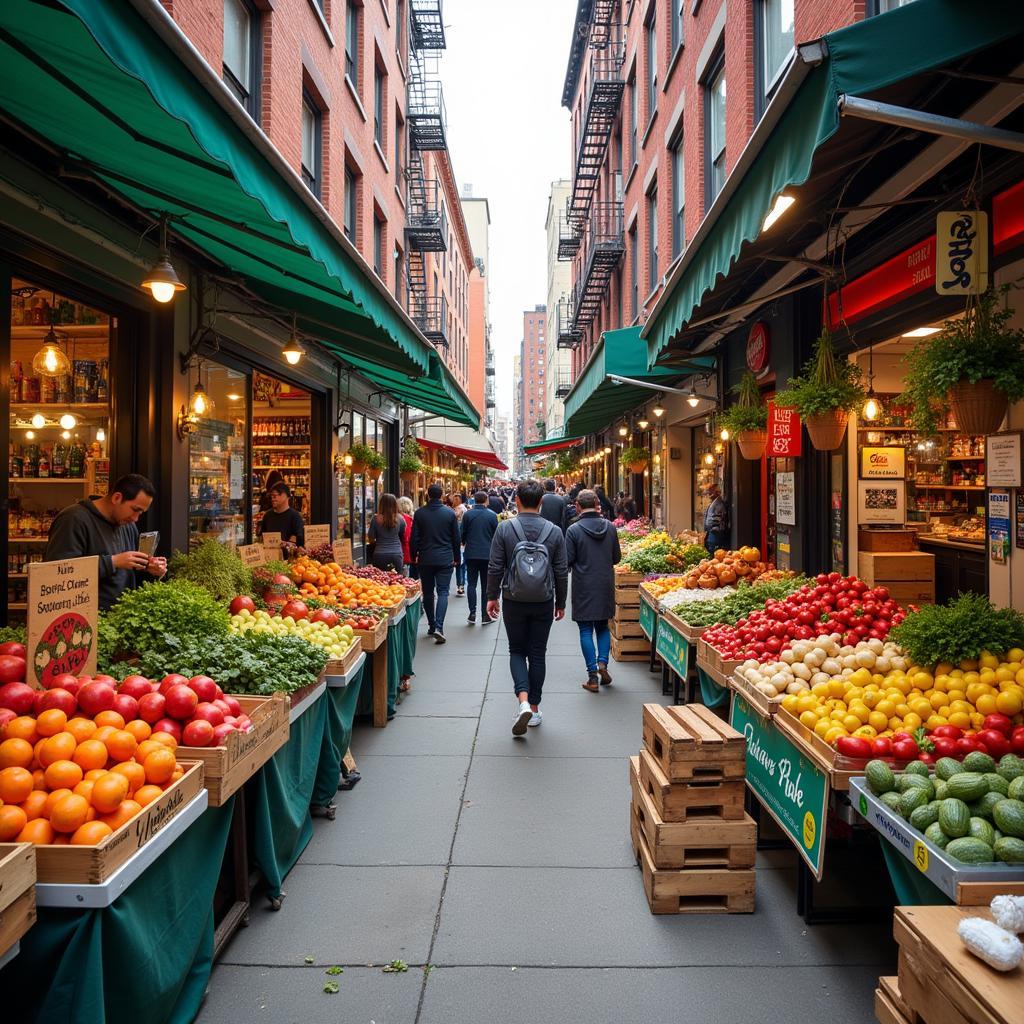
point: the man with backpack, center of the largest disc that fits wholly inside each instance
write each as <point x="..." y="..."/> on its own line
<point x="478" y="527"/>
<point x="528" y="569"/>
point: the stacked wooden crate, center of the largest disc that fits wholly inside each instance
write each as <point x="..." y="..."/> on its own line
<point x="909" y="576"/>
<point x="692" y="839"/>
<point x="628" y="640"/>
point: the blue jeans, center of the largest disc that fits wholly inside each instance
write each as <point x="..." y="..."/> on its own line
<point x="460" y="572"/>
<point x="592" y="655"/>
<point x="476" y="569"/>
<point x="439" y="576"/>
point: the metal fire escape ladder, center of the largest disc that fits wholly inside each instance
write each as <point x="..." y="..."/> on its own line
<point x="566" y="334"/>
<point x="426" y="25"/>
<point x="605" y="244"/>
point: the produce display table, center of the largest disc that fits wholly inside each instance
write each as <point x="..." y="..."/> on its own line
<point x="342" y="698"/>
<point x="413" y="614"/>
<point x="649" y="615"/>
<point x="17" y="896"/>
<point x="675" y="644"/>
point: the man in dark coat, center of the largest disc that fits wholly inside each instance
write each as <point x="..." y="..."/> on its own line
<point x="477" y="527"/>
<point x="552" y="506"/>
<point x="495" y="502"/>
<point x="592" y="552"/>
<point x="436" y="548"/>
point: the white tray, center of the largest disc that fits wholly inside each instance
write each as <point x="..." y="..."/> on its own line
<point x="304" y="705"/>
<point x="339" y="682"/>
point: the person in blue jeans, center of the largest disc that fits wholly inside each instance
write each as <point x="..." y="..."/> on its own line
<point x="478" y="526"/>
<point x="592" y="552"/>
<point x="436" y="549"/>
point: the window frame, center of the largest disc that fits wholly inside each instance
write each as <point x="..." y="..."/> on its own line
<point x="251" y="98"/>
<point x="353" y="34"/>
<point x="765" y="86"/>
<point x="651" y="57"/>
<point x="677" y="25"/>
<point x="313" y="179"/>
<point x="715" y="71"/>
<point x="677" y="165"/>
<point x="379" y="104"/>
<point x="651" y="204"/>
<point x="634" y="119"/>
<point x="378" y="244"/>
<point x="350" y="204"/>
<point x="634" y="272"/>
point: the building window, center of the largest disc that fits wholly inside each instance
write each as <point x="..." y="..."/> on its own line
<point x="678" y="198"/>
<point x="634" y="118"/>
<point x="379" y="93"/>
<point x="652" y="65"/>
<point x="350" y="206"/>
<point x="398" y="275"/>
<point x="399" y="143"/>
<point x="352" y="17"/>
<point x="312" y="131"/>
<point x="652" y="238"/>
<point x="775" y="43"/>
<point x="242" y="53"/>
<point x="634" y="276"/>
<point x="400" y="29"/>
<point x="882" y="6"/>
<point x="378" y="245"/>
<point x="677" y="17"/>
<point x="714" y="131"/>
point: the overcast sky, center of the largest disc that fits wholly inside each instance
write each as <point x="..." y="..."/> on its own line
<point x="508" y="135"/>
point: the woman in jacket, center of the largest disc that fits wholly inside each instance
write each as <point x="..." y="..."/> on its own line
<point x="459" y="508"/>
<point x="387" y="528"/>
<point x="604" y="505"/>
<point x="405" y="510"/>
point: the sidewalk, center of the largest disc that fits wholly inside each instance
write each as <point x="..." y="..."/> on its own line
<point x="506" y="865"/>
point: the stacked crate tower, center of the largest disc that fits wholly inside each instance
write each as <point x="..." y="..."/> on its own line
<point x="693" y="841"/>
<point x="628" y="640"/>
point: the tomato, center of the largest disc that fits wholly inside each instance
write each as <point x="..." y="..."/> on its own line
<point x="881" y="746"/>
<point x="966" y="744"/>
<point x="926" y="757"/>
<point x="853" y="746"/>
<point x="998" y="722"/>
<point x="995" y="741"/>
<point x="821" y="578"/>
<point x="945" y="746"/>
<point x="947" y="731"/>
<point x="1017" y="740"/>
<point x="905" y="749"/>
<point x="834" y="577"/>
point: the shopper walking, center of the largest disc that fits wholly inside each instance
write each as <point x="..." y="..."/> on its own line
<point x="459" y="508"/>
<point x="405" y="509"/>
<point x="552" y="506"/>
<point x="527" y="570"/>
<point x="435" y="548"/>
<point x="477" y="528"/>
<point x="606" y="506"/>
<point x="716" y="519"/>
<point x="386" y="535"/>
<point x="496" y="502"/>
<point x="592" y="551"/>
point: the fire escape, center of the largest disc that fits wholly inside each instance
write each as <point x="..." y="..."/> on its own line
<point x="426" y="226"/>
<point x="563" y="384"/>
<point x="567" y="335"/>
<point x="604" y="245"/>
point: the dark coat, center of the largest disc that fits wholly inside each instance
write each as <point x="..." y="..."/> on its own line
<point x="496" y="504"/>
<point x="435" y="536"/>
<point x="478" y="526"/>
<point x="592" y="551"/>
<point x="504" y="544"/>
<point x="552" y="508"/>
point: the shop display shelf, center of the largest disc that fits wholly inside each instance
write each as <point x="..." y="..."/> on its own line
<point x="19" y="480"/>
<point x="339" y="680"/>
<point x="26" y="540"/>
<point x="17" y="575"/>
<point x="41" y="330"/>
<point x="941" y="870"/>
<point x="17" y="606"/>
<point x="947" y="487"/>
<point x="281" y="447"/>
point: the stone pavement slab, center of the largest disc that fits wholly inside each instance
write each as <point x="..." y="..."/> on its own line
<point x="428" y="702"/>
<point x="439" y="737"/>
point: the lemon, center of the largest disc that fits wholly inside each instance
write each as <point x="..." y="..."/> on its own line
<point x="1015" y="654"/>
<point x="1009" y="703"/>
<point x="988" y="660"/>
<point x="960" y="719"/>
<point x="912" y="721"/>
<point x="809" y="719"/>
<point x="877" y="720"/>
<point x="986" y="704"/>
<point x="851" y="722"/>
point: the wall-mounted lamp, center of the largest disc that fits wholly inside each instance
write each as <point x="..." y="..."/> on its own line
<point x="643" y="424"/>
<point x="162" y="280"/>
<point x="623" y="430"/>
<point x="724" y="434"/>
<point x="691" y="399"/>
<point x="68" y="422"/>
<point x="39" y="421"/>
<point x="659" y="411"/>
<point x="709" y="459"/>
<point x="199" y="405"/>
<point x="101" y="435"/>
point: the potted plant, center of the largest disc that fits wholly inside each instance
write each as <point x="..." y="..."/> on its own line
<point x="410" y="464"/>
<point x="975" y="363"/>
<point x="635" y="459"/>
<point x="826" y="391"/>
<point x="361" y="455"/>
<point x="375" y="465"/>
<point x="747" y="419"/>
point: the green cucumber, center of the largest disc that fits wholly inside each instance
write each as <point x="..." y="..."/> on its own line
<point x="912" y="781"/>
<point x="983" y="807"/>
<point x="1011" y="767"/>
<point x="891" y="800"/>
<point x="1009" y="849"/>
<point x="1015" y="790"/>
<point x="911" y="800"/>
<point x="954" y="817"/>
<point x="996" y="783"/>
<point x="934" y="834"/>
<point x="970" y="851"/>
<point x="947" y="767"/>
<point x="923" y="816"/>
<point x="976" y="761"/>
<point x="1009" y="817"/>
<point x="967" y="786"/>
<point x="940" y="790"/>
<point x="880" y="777"/>
<point x="979" y="828"/>
<point x="917" y="768"/>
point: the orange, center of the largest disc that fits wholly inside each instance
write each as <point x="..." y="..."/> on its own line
<point x="63" y="775"/>
<point x="90" y="754"/>
<point x="114" y="718"/>
<point x="139" y="729"/>
<point x="61" y="839"/>
<point x="21" y="728"/>
<point x="91" y="833"/>
<point x="102" y="734"/>
<point x="35" y="805"/>
<point x="15" y="753"/>
<point x="121" y="745"/>
<point x="38" y="778"/>
<point x="51" y="722"/>
<point x="147" y="794"/>
<point x="159" y="766"/>
<point x="52" y="798"/>
<point x="108" y="791"/>
<point x="12" y="820"/>
<point x="177" y="773"/>
<point x="84" y="789"/>
<point x="145" y="748"/>
<point x="81" y="728"/>
<point x="16" y="784"/>
<point x="94" y="773"/>
<point x="38" y="830"/>
<point x="133" y="772"/>
<point x="126" y="810"/>
<point x="60" y="747"/>
<point x="69" y="813"/>
<point x="165" y="738"/>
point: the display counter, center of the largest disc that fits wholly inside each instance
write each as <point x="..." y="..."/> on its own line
<point x="960" y="566"/>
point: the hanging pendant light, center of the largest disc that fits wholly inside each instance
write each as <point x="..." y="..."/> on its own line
<point x="692" y="399"/>
<point x="659" y="411"/>
<point x="50" y="360"/>
<point x="872" y="407"/>
<point x="162" y="280"/>
<point x="293" y="351"/>
<point x="643" y="424"/>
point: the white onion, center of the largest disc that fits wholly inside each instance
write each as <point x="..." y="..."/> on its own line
<point x="788" y="657"/>
<point x="797" y="686"/>
<point x="831" y="666"/>
<point x="801" y="671"/>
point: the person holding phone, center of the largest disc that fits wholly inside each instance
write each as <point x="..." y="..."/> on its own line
<point x="107" y="527"/>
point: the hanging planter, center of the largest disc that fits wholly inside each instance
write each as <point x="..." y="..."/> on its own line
<point x="362" y="457"/>
<point x="824" y="394"/>
<point x="636" y="460"/>
<point x="747" y="419"/>
<point x="410" y="465"/>
<point x="978" y="408"/>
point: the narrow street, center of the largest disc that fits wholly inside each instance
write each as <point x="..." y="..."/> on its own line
<point x="506" y="865"/>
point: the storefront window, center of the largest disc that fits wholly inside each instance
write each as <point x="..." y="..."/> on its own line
<point x="216" y="452"/>
<point x="59" y="419"/>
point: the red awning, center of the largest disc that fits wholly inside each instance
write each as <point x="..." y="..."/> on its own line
<point x="557" y="445"/>
<point x="480" y="458"/>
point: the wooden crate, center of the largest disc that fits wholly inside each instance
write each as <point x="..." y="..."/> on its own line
<point x="637" y="649"/>
<point x="629" y="579"/>
<point x="922" y="592"/>
<point x="980" y="894"/>
<point x="764" y="705"/>
<point x="889" y="1005"/>
<point x="17" y="892"/>
<point x="628" y="596"/>
<point x="700" y="843"/>
<point x="228" y="768"/>
<point x="396" y="609"/>
<point x="90" y="865"/>
<point x="941" y="982"/>
<point x="881" y="568"/>
<point x="374" y="638"/>
<point x="16" y="919"/>
<point x="341" y="666"/>
<point x="697" y="891"/>
<point x="713" y="657"/>
<point x="624" y="613"/>
<point x="689" y="801"/>
<point x="692" y="744"/>
<point x="887" y="540"/>
<point x="626" y="630"/>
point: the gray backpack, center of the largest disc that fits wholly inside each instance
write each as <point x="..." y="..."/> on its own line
<point x="529" y="576"/>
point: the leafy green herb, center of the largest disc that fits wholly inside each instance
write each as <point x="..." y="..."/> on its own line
<point x="729" y="610"/>
<point x="335" y="970"/>
<point x="214" y="567"/>
<point x="825" y="384"/>
<point x="631" y="455"/>
<point x="13" y="634"/>
<point x="749" y="412"/>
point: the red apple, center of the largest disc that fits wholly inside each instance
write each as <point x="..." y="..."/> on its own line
<point x="6" y="715"/>
<point x="58" y="698"/>
<point x="109" y="680"/>
<point x="135" y="686"/>
<point x="126" y="706"/>
<point x="151" y="707"/>
<point x="181" y="702"/>
<point x="234" y="707"/>
<point x="203" y="687"/>
<point x="14" y="649"/>
<point x="64" y="682"/>
<point x="324" y="615"/>
<point x="242" y="604"/>
<point x="296" y="609"/>
<point x="197" y="733"/>
<point x="211" y="713"/>
<point x="169" y="726"/>
<point x="95" y="697"/>
<point x="172" y="680"/>
<point x="19" y="697"/>
<point x="12" y="669"/>
<point x="221" y="733"/>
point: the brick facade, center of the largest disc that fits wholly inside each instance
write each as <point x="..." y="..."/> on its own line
<point x="531" y="385"/>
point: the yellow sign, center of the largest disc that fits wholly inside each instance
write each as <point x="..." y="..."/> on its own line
<point x="810" y="830"/>
<point x="921" y="856"/>
<point x="961" y="252"/>
<point x="63" y="608"/>
<point x="883" y="463"/>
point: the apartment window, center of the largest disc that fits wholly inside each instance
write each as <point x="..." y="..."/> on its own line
<point x="350" y="206"/>
<point x="714" y="130"/>
<point x="634" y="276"/>
<point x="312" y="133"/>
<point x="398" y="274"/>
<point x="775" y="43"/>
<point x="634" y="117"/>
<point x="399" y="143"/>
<point x="378" y="245"/>
<point x="352" y="18"/>
<point x="652" y="65"/>
<point x="379" y="92"/>
<point x="242" y="53"/>
<point x="678" y="198"/>
<point x="677" y="18"/>
<point x="652" y="238"/>
<point x="400" y="29"/>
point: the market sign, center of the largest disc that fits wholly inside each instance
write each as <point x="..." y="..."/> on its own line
<point x="648" y="618"/>
<point x="272" y="545"/>
<point x="883" y="463"/>
<point x="673" y="647"/>
<point x="961" y="252"/>
<point x="252" y="554"/>
<point x="758" y="349"/>
<point x="318" y="536"/>
<point x="785" y="498"/>
<point x="784" y="436"/>
<point x="1002" y="460"/>
<point x="63" y="609"/>
<point x="789" y="785"/>
<point x="999" y="525"/>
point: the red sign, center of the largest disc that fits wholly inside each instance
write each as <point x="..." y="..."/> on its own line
<point x="784" y="434"/>
<point x="910" y="272"/>
<point x="1008" y="219"/>
<point x="758" y="348"/>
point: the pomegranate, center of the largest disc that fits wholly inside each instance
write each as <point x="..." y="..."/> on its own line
<point x="13" y="648"/>
<point x="136" y="686"/>
<point x="181" y="702"/>
<point x="12" y="669"/>
<point x="95" y="697"/>
<point x="203" y="687"/>
<point x="169" y="726"/>
<point x="126" y="706"/>
<point x="172" y="680"/>
<point x="242" y="603"/>
<point x="197" y="733"/>
<point x="57" y="698"/>
<point x="211" y="713"/>
<point x="17" y="696"/>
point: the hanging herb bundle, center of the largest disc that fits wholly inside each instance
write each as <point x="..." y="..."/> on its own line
<point x="748" y="412"/>
<point x="826" y="384"/>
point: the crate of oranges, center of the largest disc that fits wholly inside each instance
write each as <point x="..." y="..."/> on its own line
<point x="332" y="584"/>
<point x="89" y="792"/>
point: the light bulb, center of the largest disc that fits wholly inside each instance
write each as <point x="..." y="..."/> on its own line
<point x="709" y="459"/>
<point x="50" y="360"/>
<point x="643" y="424"/>
<point x="608" y="450"/>
<point x="348" y="461"/>
<point x="724" y="434"/>
<point x="68" y="422"/>
<point x="66" y="434"/>
<point x="232" y="397"/>
<point x="163" y="291"/>
<point x="719" y="448"/>
<point x="39" y="421"/>
<point x="692" y="400"/>
<point x="872" y="409"/>
<point x="623" y="431"/>
<point x="658" y="411"/>
<point x="101" y="434"/>
<point x="30" y="435"/>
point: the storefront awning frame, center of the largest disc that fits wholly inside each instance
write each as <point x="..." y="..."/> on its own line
<point x="552" y="444"/>
<point x="475" y="456"/>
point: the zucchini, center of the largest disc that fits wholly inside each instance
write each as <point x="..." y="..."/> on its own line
<point x="954" y="817"/>
<point x="970" y="850"/>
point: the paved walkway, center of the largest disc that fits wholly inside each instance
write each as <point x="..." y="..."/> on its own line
<point x="506" y="865"/>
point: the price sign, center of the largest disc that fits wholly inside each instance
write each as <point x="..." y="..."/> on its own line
<point x="1002" y="460"/>
<point x="318" y="536"/>
<point x="252" y="554"/>
<point x="63" y="608"/>
<point x="272" y="545"/>
<point x="342" y="552"/>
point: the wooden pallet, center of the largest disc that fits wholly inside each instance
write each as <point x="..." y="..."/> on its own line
<point x="692" y="743"/>
<point x="627" y="630"/>
<point x="889" y="1005"/>
<point x="696" y="891"/>
<point x="686" y="801"/>
<point x="637" y="649"/>
<point x="699" y="843"/>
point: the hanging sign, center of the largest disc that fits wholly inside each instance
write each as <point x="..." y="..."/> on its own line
<point x="1002" y="460"/>
<point x="63" y="608"/>
<point x="673" y="647"/>
<point x="999" y="525"/>
<point x="961" y="252"/>
<point x="252" y="554"/>
<point x="758" y="349"/>
<point x="342" y="552"/>
<point x="318" y="535"/>
<point x="883" y="463"/>
<point x="784" y="434"/>
<point x="785" y="498"/>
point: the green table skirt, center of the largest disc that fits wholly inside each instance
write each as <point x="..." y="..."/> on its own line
<point x="711" y="693"/>
<point x="341" y="710"/>
<point x="147" y="957"/>
<point x="392" y="651"/>
<point x="912" y="888"/>
<point x="411" y="622"/>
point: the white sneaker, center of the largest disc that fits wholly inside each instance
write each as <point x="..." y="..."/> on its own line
<point x="535" y="719"/>
<point x="523" y="716"/>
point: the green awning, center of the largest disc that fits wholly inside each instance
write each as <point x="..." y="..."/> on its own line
<point x="554" y="443"/>
<point x="865" y="57"/>
<point x="94" y="80"/>
<point x="436" y="392"/>
<point x="595" y="400"/>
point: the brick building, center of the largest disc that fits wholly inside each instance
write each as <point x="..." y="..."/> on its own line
<point x="559" y="278"/>
<point x="531" y="384"/>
